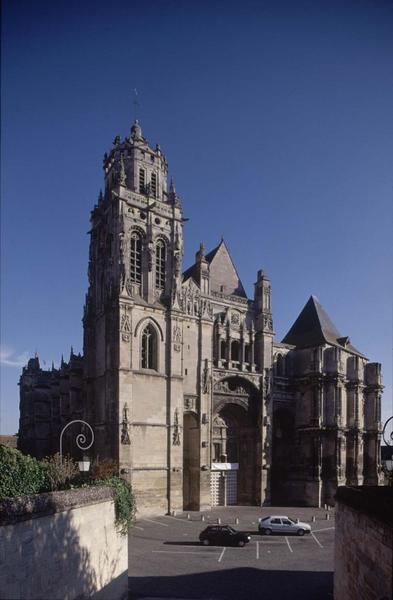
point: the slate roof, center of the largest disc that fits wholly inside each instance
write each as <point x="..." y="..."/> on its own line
<point x="193" y="271"/>
<point x="313" y="327"/>
<point x="223" y="265"/>
<point x="190" y="272"/>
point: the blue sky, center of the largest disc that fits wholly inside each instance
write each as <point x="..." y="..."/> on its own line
<point x="276" y="120"/>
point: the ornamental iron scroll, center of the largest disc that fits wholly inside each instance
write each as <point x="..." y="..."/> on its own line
<point x="80" y="439"/>
<point x="387" y="432"/>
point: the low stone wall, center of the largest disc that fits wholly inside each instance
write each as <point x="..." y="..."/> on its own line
<point x="62" y="545"/>
<point x="363" y="543"/>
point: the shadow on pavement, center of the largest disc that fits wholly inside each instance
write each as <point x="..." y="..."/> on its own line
<point x="236" y="584"/>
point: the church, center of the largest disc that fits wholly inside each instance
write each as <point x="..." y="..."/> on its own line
<point x="181" y="377"/>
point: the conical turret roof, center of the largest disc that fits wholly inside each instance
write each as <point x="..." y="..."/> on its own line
<point x="314" y="327"/>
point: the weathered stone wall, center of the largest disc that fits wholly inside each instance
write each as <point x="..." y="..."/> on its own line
<point x="62" y="545"/>
<point x="363" y="543"/>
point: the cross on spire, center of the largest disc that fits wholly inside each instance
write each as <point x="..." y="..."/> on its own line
<point x="136" y="104"/>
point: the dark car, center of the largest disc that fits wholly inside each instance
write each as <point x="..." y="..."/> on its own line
<point x="223" y="535"/>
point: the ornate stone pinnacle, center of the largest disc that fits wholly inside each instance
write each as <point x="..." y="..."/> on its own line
<point x="122" y="177"/>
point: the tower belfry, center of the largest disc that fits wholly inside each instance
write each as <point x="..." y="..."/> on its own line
<point x="135" y="266"/>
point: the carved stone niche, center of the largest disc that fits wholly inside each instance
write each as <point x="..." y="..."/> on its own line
<point x="191" y="404"/>
<point x="230" y="387"/>
<point x="177" y="338"/>
<point x="235" y="319"/>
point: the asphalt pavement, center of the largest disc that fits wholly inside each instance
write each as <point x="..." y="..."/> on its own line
<point x="166" y="559"/>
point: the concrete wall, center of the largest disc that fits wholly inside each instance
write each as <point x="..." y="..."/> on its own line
<point x="62" y="545"/>
<point x="363" y="543"/>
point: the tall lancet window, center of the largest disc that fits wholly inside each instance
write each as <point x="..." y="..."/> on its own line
<point x="149" y="348"/>
<point x="142" y="181"/>
<point x="136" y="257"/>
<point x="160" y="264"/>
<point x="153" y="183"/>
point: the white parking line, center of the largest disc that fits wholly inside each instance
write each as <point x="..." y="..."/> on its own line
<point x="201" y="552"/>
<point x="222" y="554"/>
<point x="318" y="542"/>
<point x="257" y="550"/>
<point x="156" y="522"/>
<point x="289" y="546"/>
<point x="324" y="529"/>
<point x="137" y="527"/>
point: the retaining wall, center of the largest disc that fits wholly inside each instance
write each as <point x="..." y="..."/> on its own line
<point x="363" y="543"/>
<point x="62" y="545"/>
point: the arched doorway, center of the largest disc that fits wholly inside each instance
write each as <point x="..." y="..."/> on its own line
<point x="282" y="456"/>
<point x="236" y="442"/>
<point x="191" y="468"/>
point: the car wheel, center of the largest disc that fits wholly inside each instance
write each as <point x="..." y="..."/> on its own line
<point x="206" y="542"/>
<point x="240" y="543"/>
<point x="300" y="531"/>
<point x="267" y="531"/>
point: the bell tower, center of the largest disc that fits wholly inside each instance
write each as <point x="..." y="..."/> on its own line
<point x="132" y="327"/>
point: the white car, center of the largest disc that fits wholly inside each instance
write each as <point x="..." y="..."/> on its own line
<point x="281" y="524"/>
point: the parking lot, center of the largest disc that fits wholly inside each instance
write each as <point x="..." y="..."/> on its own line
<point x="166" y="559"/>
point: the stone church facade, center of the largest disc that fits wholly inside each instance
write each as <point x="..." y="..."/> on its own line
<point x="181" y="377"/>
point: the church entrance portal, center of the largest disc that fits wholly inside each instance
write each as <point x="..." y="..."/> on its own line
<point x="283" y="456"/>
<point x="235" y="443"/>
<point x="191" y="469"/>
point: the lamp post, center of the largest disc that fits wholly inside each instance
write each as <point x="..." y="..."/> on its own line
<point x="387" y="434"/>
<point x="388" y="437"/>
<point x="80" y="441"/>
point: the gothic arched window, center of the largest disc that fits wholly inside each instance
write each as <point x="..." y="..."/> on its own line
<point x="142" y="181"/>
<point x="247" y="353"/>
<point x="153" y="185"/>
<point x="149" y="348"/>
<point x="235" y="350"/>
<point x="136" y="257"/>
<point x="280" y="366"/>
<point x="160" y="264"/>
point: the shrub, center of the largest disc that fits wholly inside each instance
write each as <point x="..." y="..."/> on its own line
<point x="103" y="469"/>
<point x="20" y="474"/>
<point x="125" y="505"/>
<point x="59" y="473"/>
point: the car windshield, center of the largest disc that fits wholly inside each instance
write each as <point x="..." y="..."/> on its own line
<point x="265" y="519"/>
<point x="292" y="521"/>
<point x="231" y="529"/>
